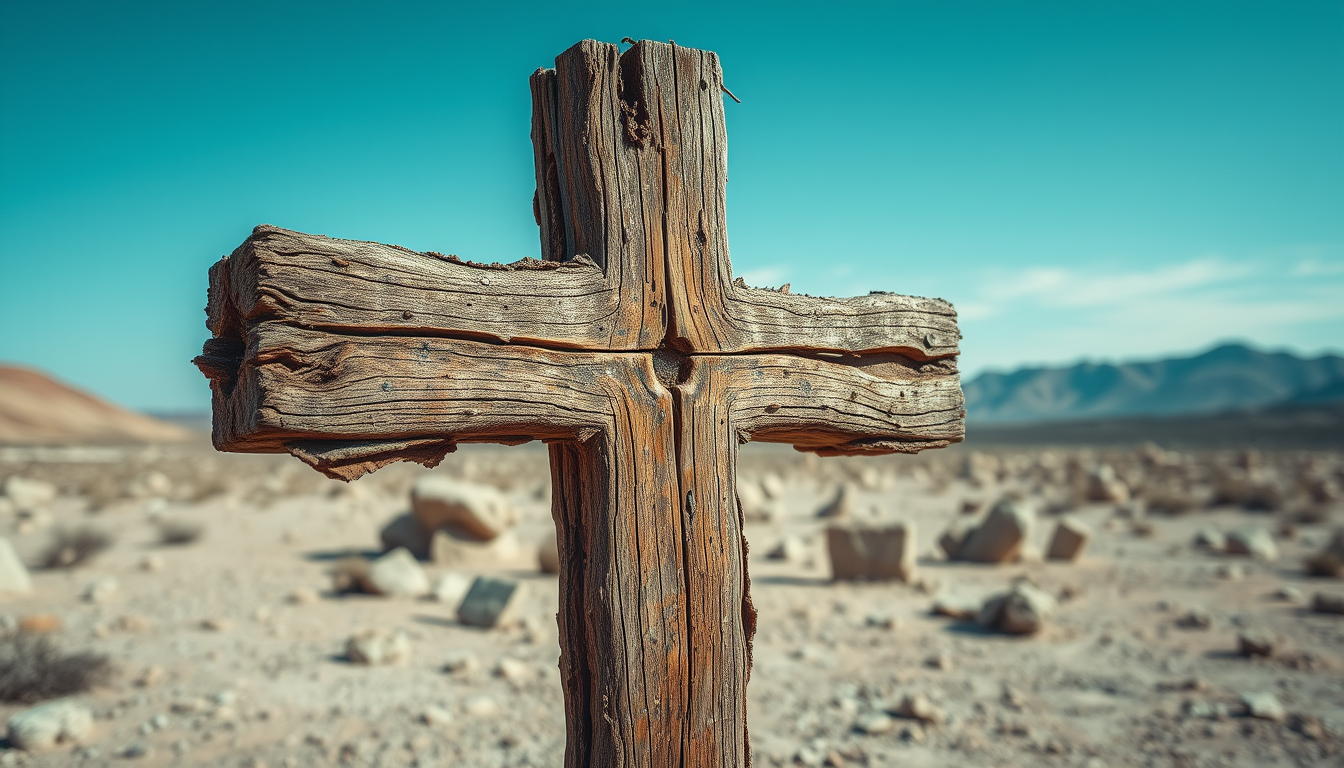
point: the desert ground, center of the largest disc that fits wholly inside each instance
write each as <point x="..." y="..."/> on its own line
<point x="229" y="646"/>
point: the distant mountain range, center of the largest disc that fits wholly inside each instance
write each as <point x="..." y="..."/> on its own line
<point x="36" y="409"/>
<point x="1230" y="377"/>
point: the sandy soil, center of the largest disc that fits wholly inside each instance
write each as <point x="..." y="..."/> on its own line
<point x="251" y="677"/>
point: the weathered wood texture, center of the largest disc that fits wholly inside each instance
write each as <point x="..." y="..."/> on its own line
<point x="628" y="347"/>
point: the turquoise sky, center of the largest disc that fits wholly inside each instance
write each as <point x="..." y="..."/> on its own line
<point x="1104" y="180"/>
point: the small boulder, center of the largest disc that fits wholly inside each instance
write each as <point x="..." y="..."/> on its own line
<point x="488" y="601"/>
<point x="874" y="723"/>
<point x="50" y="725"/>
<point x="1000" y="537"/>
<point x="1068" y="541"/>
<point x="27" y="494"/>
<point x="397" y="574"/>
<point x="14" y="576"/>
<point x="918" y="707"/>
<point x="1255" y="542"/>
<point x="772" y="486"/>
<point x="1329" y="561"/>
<point x="1103" y="485"/>
<point x="1022" y="610"/>
<point x="450" y="588"/>
<point x="877" y="553"/>
<point x="472" y="510"/>
<point x="840" y="506"/>
<point x="1324" y="602"/>
<point x="954" y="538"/>
<point x="450" y="549"/>
<point x="1264" y="705"/>
<point x="1254" y="642"/>
<point x="378" y="646"/>
<point x="102" y="590"/>
<point x="787" y="549"/>
<point x="406" y="532"/>
<point x="1211" y="539"/>
<point x="548" y="554"/>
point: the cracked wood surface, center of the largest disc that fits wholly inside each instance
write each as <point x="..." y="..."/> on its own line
<point x="629" y="348"/>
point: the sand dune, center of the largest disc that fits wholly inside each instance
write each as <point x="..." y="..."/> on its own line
<point x="36" y="409"/>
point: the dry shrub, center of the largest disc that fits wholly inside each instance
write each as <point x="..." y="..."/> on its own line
<point x="73" y="548"/>
<point x="33" y="669"/>
<point x="176" y="533"/>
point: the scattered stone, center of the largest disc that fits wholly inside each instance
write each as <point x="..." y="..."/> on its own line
<point x="397" y="574"/>
<point x="880" y="621"/>
<point x="14" y="576"/>
<point x="303" y="596"/>
<point x="450" y="588"/>
<point x="1104" y="486"/>
<point x="952" y="539"/>
<point x="460" y="662"/>
<point x="1068" y="541"/>
<point x="405" y="531"/>
<point x="49" y="725"/>
<point x="136" y="751"/>
<point x="40" y="624"/>
<point x="486" y="604"/>
<point x="1022" y="610"/>
<point x="436" y="716"/>
<point x="1329" y="561"/>
<point x="1287" y="594"/>
<point x="1264" y="705"/>
<point x="1195" y="619"/>
<point x="772" y="486"/>
<point x="1253" y="642"/>
<point x="958" y="607"/>
<point x="874" y="724"/>
<point x="27" y="494"/>
<point x="1255" y="542"/>
<point x="1000" y="537"/>
<point x="151" y="563"/>
<point x="378" y="646"/>
<point x="132" y="624"/>
<point x="548" y="554"/>
<point x="840" y="506"/>
<point x="753" y="502"/>
<point x="1230" y="572"/>
<point x="473" y="511"/>
<point x="1211" y="539"/>
<point x="216" y="624"/>
<point x="878" y="553"/>
<point x="1324" y="602"/>
<point x="514" y="670"/>
<point x="152" y="676"/>
<point x="787" y="549"/>
<point x="480" y="706"/>
<point x="918" y="707"/>
<point x="940" y="661"/>
<point x="102" y="590"/>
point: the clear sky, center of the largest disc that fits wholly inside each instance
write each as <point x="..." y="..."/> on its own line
<point x="1101" y="180"/>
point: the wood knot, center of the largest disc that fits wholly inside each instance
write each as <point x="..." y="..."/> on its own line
<point x="671" y="367"/>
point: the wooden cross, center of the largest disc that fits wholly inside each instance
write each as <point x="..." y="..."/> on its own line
<point x="629" y="349"/>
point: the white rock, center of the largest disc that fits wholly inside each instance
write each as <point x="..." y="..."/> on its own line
<point x="26" y="493"/>
<point x="869" y="552"/>
<point x="772" y="486"/>
<point x="874" y="723"/>
<point x="49" y="725"/>
<point x="1264" y="705"/>
<point x="14" y="576"/>
<point x="480" y="706"/>
<point x="476" y="511"/>
<point x="1022" y="610"/>
<point x="1256" y="542"/>
<point x="398" y="574"/>
<point x="450" y="588"/>
<point x="1000" y="537"/>
<point x="102" y="590"/>
<point x="436" y="716"/>
<point x="515" y="670"/>
<point x="1210" y="539"/>
<point x="378" y="646"/>
<point x="451" y="549"/>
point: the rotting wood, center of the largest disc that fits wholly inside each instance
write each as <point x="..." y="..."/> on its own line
<point x="629" y="348"/>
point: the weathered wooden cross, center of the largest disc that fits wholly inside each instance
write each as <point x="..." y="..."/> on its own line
<point x="629" y="348"/>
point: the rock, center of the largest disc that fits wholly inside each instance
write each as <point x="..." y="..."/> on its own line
<point x="840" y="506"/>
<point x="1211" y="539"/>
<point x="954" y="538"/>
<point x="753" y="502"/>
<point x="216" y="624"/>
<point x="1195" y="619"/>
<point x="1103" y="485"/>
<point x="27" y="494"/>
<point x="150" y="677"/>
<point x="102" y="590"/>
<point x="1287" y="594"/>
<point x="1068" y="541"/>
<point x="874" y="724"/>
<point x="378" y="646"/>
<point x="1256" y="542"/>
<point x="941" y="661"/>
<point x="405" y="531"/>
<point x="151" y="563"/>
<point x="1329" y="561"/>
<point x="473" y="511"/>
<point x="772" y="486"/>
<point x="450" y="549"/>
<point x="787" y="549"/>
<point x="460" y="662"/>
<point x="14" y="576"/>
<point x="487" y="603"/>
<point x="866" y="552"/>
<point x="436" y="716"/>
<point x="957" y="607"/>
<point x="1256" y="643"/>
<point x="1022" y="610"/>
<point x="40" y="623"/>
<point x="303" y="596"/>
<point x="480" y="706"/>
<point x="1264" y="705"/>
<point x="1323" y="602"/>
<point x="1000" y="537"/>
<point x="49" y="725"/>
<point x="548" y="555"/>
<point x="450" y="588"/>
<point x="514" y="670"/>
<point x="397" y="574"/>
<point x="918" y="707"/>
